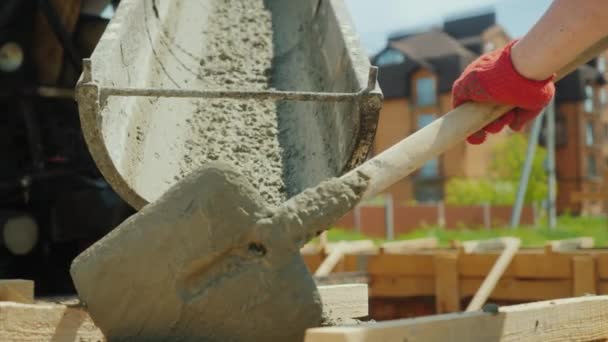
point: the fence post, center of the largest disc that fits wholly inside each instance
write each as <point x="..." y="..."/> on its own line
<point x="441" y="214"/>
<point x="487" y="215"/>
<point x="357" y="218"/>
<point x="389" y="218"/>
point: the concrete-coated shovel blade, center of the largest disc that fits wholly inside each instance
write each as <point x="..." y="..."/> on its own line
<point x="197" y="265"/>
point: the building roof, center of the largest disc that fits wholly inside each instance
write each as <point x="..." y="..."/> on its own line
<point x="431" y="44"/>
<point x="434" y="51"/>
<point x="469" y="26"/>
<point x="447" y="51"/>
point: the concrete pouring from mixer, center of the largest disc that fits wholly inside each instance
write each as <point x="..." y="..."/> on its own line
<point x="213" y="255"/>
<point x="164" y="49"/>
<point x="221" y="184"/>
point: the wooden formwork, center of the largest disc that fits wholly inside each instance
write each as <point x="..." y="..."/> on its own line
<point x="447" y="274"/>
<point x="447" y="278"/>
<point x="23" y="318"/>
<point x="583" y="319"/>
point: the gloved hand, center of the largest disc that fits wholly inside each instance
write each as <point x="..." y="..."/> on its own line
<point x="493" y="78"/>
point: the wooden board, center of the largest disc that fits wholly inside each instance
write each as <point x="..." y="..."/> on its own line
<point x="524" y="265"/>
<point x="17" y="290"/>
<point x="395" y="264"/>
<point x="312" y="261"/>
<point x="50" y="322"/>
<point x="393" y="286"/>
<point x="46" y="322"/>
<point x="585" y="279"/>
<point x="602" y="266"/>
<point x="570" y="244"/>
<point x="397" y="247"/>
<point x="520" y="290"/>
<point x="345" y="301"/>
<point x="447" y="284"/>
<point x="571" y="319"/>
<point x="336" y="252"/>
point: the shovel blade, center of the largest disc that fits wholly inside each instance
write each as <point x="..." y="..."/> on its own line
<point x="194" y="265"/>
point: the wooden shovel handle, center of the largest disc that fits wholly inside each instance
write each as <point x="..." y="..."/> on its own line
<point x="452" y="128"/>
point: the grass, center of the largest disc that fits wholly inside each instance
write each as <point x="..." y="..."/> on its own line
<point x="567" y="227"/>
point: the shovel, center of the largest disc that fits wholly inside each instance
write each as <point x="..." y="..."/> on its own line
<point x="208" y="261"/>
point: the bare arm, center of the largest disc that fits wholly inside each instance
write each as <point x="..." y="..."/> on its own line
<point x="565" y="30"/>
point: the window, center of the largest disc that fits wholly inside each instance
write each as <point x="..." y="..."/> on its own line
<point x="589" y="139"/>
<point x="601" y="64"/>
<point x="426" y="91"/>
<point x="389" y="57"/>
<point x="561" y="130"/>
<point x="430" y="170"/>
<point x="603" y="97"/>
<point x="425" y="119"/>
<point x="428" y="192"/>
<point x="606" y="130"/>
<point x="588" y="99"/>
<point x="591" y="166"/>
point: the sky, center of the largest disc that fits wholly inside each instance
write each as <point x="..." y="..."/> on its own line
<point x="375" y="19"/>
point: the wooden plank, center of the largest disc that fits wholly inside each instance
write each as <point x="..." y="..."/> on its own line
<point x="311" y="249"/>
<point x="406" y="265"/>
<point x="353" y="247"/>
<point x="71" y="323"/>
<point x="571" y="319"/>
<point x="17" y="290"/>
<point x="520" y="290"/>
<point x="584" y="281"/>
<point x="571" y="244"/>
<point x="511" y="246"/>
<point x="447" y="293"/>
<point x="405" y="246"/>
<point x="524" y="265"/>
<point x="400" y="286"/>
<point x="343" y="278"/>
<point x="353" y="263"/>
<point x="344" y="301"/>
<point x="480" y="246"/>
<point x="46" y="322"/>
<point x="312" y="261"/>
<point x="337" y="251"/>
<point x="602" y="266"/>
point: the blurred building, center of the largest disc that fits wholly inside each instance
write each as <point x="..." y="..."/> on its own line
<point x="416" y="74"/>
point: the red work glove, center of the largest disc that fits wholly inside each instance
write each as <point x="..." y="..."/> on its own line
<point x="493" y="78"/>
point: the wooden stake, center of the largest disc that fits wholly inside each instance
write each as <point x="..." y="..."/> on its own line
<point x="447" y="287"/>
<point x="584" y="282"/>
<point x="511" y="246"/>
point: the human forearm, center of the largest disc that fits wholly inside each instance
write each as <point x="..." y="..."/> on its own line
<point x="568" y="28"/>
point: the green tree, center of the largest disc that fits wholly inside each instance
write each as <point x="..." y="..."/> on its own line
<point x="500" y="188"/>
<point x="508" y="161"/>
